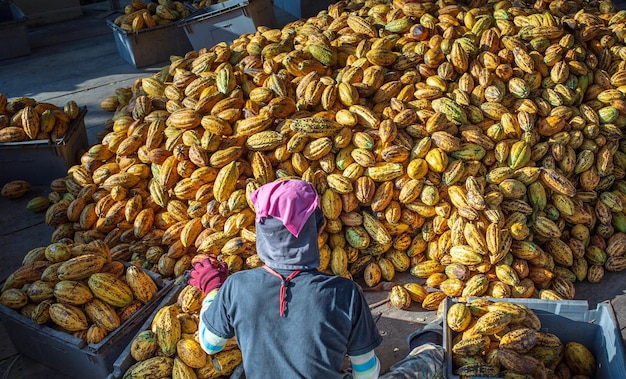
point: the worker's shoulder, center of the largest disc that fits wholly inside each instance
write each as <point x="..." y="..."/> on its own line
<point x="334" y="280"/>
<point x="313" y="277"/>
<point x="246" y="273"/>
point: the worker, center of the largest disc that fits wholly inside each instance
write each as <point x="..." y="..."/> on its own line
<point x="291" y="320"/>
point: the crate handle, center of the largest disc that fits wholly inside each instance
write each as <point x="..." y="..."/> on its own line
<point x="227" y="25"/>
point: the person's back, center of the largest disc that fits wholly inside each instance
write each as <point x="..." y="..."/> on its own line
<point x="290" y="320"/>
<point x="313" y="337"/>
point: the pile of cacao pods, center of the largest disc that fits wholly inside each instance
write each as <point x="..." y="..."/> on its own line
<point x="477" y="145"/>
<point x="25" y="119"/>
<point x="505" y="339"/>
<point x="170" y="349"/>
<point x="78" y="289"/>
<point x="140" y="15"/>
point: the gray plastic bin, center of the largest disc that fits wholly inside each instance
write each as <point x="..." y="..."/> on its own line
<point x="150" y="46"/>
<point x="570" y="320"/>
<point x="227" y="21"/>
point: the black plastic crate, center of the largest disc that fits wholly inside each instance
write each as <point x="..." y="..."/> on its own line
<point x="40" y="161"/>
<point x="72" y="355"/>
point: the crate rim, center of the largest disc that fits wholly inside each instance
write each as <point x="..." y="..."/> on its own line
<point x="170" y="298"/>
<point x="203" y="14"/>
<point x="140" y="31"/>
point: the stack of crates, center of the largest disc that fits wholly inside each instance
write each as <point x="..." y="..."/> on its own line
<point x="43" y="12"/>
<point x="13" y="31"/>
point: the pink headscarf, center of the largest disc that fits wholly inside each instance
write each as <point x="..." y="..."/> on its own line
<point x="291" y="201"/>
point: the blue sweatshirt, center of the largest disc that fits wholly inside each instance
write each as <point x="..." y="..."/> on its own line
<point x="326" y="318"/>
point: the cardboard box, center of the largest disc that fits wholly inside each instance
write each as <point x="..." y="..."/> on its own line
<point x="13" y="31"/>
<point x="40" y="161"/>
<point x="125" y="360"/>
<point x="227" y="21"/>
<point x="570" y="320"/>
<point x="41" y="12"/>
<point x="303" y="8"/>
<point x="150" y="46"/>
<point x="71" y="355"/>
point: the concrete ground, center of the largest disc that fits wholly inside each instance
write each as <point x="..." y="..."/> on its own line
<point x="78" y="60"/>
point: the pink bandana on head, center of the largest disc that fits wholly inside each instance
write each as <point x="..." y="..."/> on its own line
<point x="291" y="201"/>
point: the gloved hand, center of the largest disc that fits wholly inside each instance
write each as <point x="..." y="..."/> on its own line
<point x="208" y="274"/>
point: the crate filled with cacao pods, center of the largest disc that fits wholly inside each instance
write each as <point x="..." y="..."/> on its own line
<point x="39" y="141"/>
<point x="166" y="345"/>
<point x="73" y="308"/>
<point x="502" y="338"/>
<point x="147" y="33"/>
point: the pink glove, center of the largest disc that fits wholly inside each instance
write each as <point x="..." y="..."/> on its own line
<point x="208" y="274"/>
